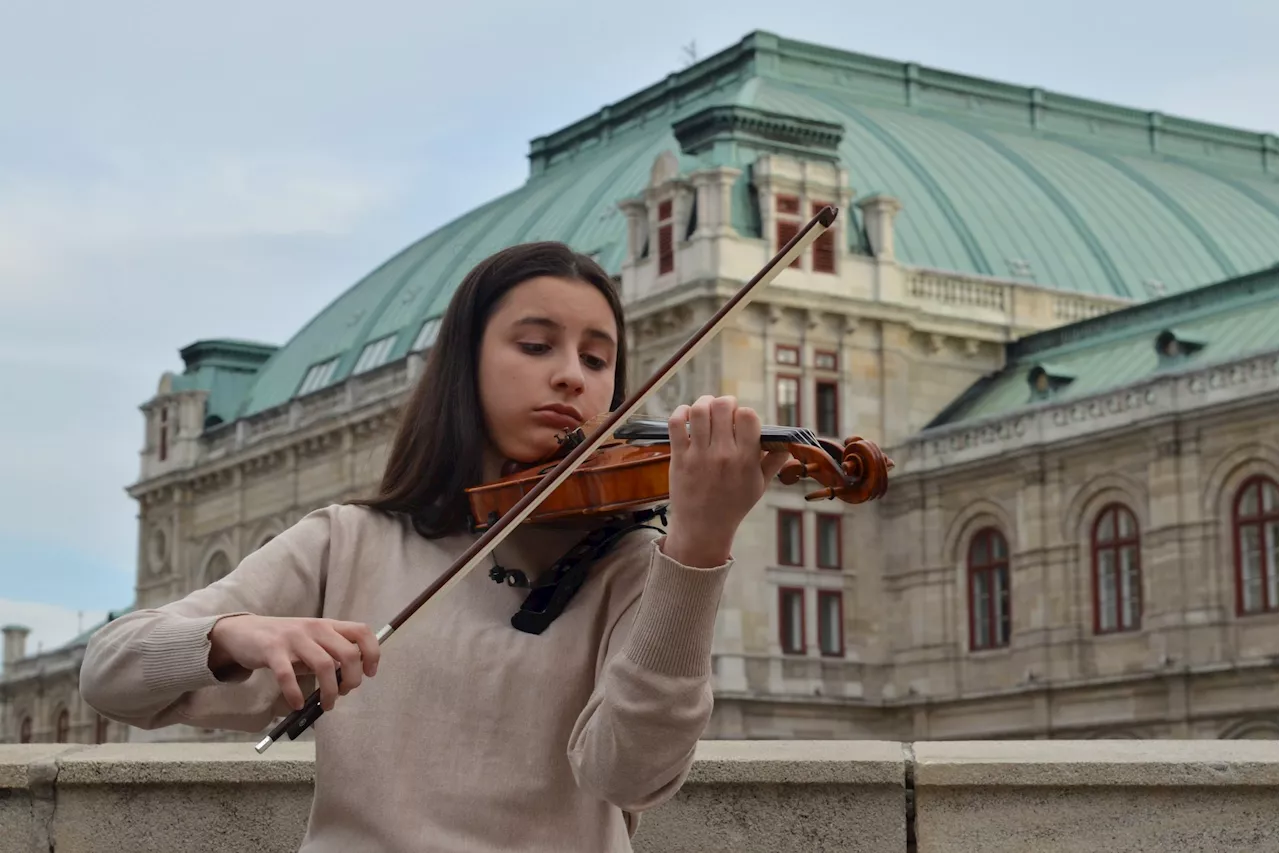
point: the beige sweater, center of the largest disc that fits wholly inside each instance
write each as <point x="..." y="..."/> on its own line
<point x="473" y="736"/>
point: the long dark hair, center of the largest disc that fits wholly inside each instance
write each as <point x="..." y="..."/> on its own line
<point x="437" y="451"/>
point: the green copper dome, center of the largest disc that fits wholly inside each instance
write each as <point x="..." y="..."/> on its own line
<point x="995" y="180"/>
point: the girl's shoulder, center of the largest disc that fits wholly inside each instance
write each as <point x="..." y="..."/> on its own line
<point x="341" y="526"/>
<point x="625" y="565"/>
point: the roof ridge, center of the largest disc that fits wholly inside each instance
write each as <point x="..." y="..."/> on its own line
<point x="764" y="54"/>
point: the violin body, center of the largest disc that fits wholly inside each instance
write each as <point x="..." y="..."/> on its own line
<point x="630" y="472"/>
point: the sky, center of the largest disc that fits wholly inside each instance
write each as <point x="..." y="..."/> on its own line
<point x="171" y="172"/>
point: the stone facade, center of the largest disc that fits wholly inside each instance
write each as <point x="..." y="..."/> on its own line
<point x="39" y="699"/>
<point x="843" y="621"/>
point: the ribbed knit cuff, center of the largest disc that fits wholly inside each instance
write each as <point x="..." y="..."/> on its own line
<point x="175" y="654"/>
<point x="675" y="625"/>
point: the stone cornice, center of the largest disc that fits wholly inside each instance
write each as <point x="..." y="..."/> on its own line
<point x="272" y="450"/>
<point x="766" y="131"/>
<point x="1031" y="426"/>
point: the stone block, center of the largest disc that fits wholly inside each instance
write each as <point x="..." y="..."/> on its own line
<point x="27" y="776"/>
<point x="213" y="798"/>
<point x="1136" y="796"/>
<point x="784" y="796"/>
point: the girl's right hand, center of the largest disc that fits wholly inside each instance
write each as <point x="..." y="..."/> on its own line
<point x="290" y="646"/>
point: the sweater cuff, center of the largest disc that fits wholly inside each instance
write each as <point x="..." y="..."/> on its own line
<point x="175" y="654"/>
<point x="675" y="625"/>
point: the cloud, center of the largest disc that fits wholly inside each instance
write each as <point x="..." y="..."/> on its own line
<point x="138" y="203"/>
<point x="51" y="625"/>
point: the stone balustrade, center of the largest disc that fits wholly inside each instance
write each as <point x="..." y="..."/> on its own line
<point x="741" y="797"/>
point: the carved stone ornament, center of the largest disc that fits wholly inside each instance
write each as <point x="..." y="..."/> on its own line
<point x="157" y="550"/>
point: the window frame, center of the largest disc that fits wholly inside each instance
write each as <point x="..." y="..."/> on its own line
<point x="1117" y="544"/>
<point x="838" y="595"/>
<point x="1238" y="526"/>
<point x="798" y="515"/>
<point x="994" y="567"/>
<point x="784" y="593"/>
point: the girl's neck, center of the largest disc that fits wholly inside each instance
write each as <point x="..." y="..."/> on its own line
<point x="491" y="465"/>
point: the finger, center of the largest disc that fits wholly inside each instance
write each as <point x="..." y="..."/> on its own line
<point x="322" y="666"/>
<point x="363" y="637"/>
<point x="347" y="654"/>
<point x="678" y="428"/>
<point x="722" y="423"/>
<point x="746" y="429"/>
<point x="282" y="667"/>
<point x="772" y="463"/>
<point x="700" y="423"/>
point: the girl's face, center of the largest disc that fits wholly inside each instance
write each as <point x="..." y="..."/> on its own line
<point x="546" y="366"/>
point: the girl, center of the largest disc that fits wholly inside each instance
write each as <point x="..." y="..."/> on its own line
<point x="463" y="734"/>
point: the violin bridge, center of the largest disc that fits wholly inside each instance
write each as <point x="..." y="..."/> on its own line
<point x="570" y="440"/>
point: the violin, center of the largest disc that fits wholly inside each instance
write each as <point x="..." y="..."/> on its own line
<point x="858" y="469"/>
<point x="629" y="472"/>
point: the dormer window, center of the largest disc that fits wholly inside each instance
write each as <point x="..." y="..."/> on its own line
<point x="1173" y="347"/>
<point x="1046" y="380"/>
<point x="318" y="376"/>
<point x="426" y="335"/>
<point x="374" y="354"/>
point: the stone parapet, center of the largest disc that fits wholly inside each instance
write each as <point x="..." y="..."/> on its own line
<point x="742" y="796"/>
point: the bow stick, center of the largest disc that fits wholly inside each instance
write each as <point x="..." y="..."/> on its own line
<point x="300" y="720"/>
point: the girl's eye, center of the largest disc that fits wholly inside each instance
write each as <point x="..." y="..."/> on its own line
<point x="534" y="349"/>
<point x="595" y="362"/>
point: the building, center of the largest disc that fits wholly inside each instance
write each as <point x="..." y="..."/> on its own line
<point x="1057" y="316"/>
<point x="39" y="702"/>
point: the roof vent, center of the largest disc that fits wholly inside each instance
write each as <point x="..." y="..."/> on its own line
<point x="1020" y="268"/>
<point x="1046" y="380"/>
<point x="1155" y="287"/>
<point x="1172" y="347"/>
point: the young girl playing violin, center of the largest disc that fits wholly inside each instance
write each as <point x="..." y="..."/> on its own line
<point x="462" y="733"/>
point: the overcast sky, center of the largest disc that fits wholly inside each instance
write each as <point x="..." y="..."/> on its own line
<point x="175" y="171"/>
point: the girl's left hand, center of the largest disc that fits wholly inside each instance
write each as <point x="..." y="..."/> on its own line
<point x="718" y="473"/>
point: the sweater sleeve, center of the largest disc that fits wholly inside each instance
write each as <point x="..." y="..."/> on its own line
<point x="150" y="668"/>
<point x="633" y="744"/>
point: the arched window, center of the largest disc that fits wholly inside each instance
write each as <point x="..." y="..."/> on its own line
<point x="1117" y="575"/>
<point x="63" y="726"/>
<point x="989" y="621"/>
<point x="1253" y="522"/>
<point x="217" y="568"/>
<point x="24" y="731"/>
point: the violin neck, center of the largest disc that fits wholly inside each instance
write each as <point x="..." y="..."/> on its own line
<point x="640" y="429"/>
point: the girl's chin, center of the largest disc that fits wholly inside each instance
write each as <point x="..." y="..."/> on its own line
<point x="531" y="454"/>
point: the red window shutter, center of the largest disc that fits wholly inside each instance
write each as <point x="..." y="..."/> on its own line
<point x="788" y="204"/>
<point x="664" y="210"/>
<point x="824" y="248"/>
<point x="666" y="256"/>
<point x="824" y="253"/>
<point x="786" y="232"/>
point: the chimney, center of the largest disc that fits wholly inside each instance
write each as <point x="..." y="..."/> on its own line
<point x="15" y="644"/>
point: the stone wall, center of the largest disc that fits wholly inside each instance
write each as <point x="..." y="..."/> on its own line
<point x="743" y="797"/>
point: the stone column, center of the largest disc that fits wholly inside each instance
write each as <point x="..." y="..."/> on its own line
<point x="714" y="188"/>
<point x="878" y="212"/>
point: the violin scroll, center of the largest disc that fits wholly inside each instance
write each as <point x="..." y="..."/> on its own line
<point x="861" y="475"/>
